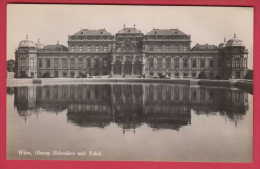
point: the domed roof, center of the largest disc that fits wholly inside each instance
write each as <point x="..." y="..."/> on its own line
<point x="26" y="43"/>
<point x="129" y="30"/>
<point x="234" y="42"/>
<point x="57" y="47"/>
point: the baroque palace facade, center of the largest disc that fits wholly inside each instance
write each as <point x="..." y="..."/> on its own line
<point x="130" y="53"/>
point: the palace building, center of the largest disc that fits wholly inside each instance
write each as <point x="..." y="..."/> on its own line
<point x="131" y="53"/>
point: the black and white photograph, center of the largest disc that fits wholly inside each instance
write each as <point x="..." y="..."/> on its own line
<point x="129" y="83"/>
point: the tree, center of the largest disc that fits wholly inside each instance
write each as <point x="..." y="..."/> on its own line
<point x="249" y="74"/>
<point x="10" y="65"/>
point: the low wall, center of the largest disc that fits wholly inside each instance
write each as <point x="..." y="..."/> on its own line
<point x="223" y="83"/>
<point x="52" y="81"/>
<point x="201" y="82"/>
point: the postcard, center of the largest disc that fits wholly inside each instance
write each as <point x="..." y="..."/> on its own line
<point x="129" y="83"/>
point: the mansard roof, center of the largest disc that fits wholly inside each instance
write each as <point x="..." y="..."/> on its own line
<point x="93" y="32"/>
<point x="165" y="32"/>
<point x="56" y="47"/>
<point x="204" y="47"/>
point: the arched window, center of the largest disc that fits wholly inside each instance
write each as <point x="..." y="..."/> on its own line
<point x="194" y="63"/>
<point x="40" y="62"/>
<point x="48" y="63"/>
<point x="117" y="67"/>
<point x="80" y="63"/>
<point x="185" y="63"/>
<point x="64" y="63"/>
<point x="202" y="63"/>
<point x="56" y="62"/>
<point x="176" y="63"/>
<point x="138" y="67"/>
<point x="159" y="62"/>
<point x="151" y="62"/>
<point x="168" y="63"/>
<point x="72" y="63"/>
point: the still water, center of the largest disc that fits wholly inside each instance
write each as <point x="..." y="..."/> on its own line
<point x="136" y="122"/>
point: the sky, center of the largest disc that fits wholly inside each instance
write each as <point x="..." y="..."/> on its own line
<point x="53" y="23"/>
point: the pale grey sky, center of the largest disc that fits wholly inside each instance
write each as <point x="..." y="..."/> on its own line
<point x="52" y="23"/>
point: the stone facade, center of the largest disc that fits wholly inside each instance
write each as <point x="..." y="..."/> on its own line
<point x="130" y="53"/>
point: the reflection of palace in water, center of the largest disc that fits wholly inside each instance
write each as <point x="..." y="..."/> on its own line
<point x="130" y="106"/>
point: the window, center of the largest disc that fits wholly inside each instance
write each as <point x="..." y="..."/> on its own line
<point x="194" y="95"/>
<point x="92" y="63"/>
<point x="64" y="63"/>
<point x="80" y="63"/>
<point x="202" y="63"/>
<point x="202" y="94"/>
<point x="56" y="73"/>
<point x="176" y="63"/>
<point x="168" y="63"/>
<point x="47" y="93"/>
<point x="193" y="74"/>
<point x="72" y="63"/>
<point x="40" y="63"/>
<point x="88" y="62"/>
<point x="64" y="74"/>
<point x="185" y="62"/>
<point x="39" y="74"/>
<point x="56" y="62"/>
<point x="211" y="63"/>
<point x="194" y="63"/>
<point x="105" y="63"/>
<point x="48" y="63"/>
<point x="237" y="74"/>
<point x="211" y="74"/>
<point x="72" y="74"/>
<point x="176" y="93"/>
<point x="176" y="74"/>
<point x="159" y="62"/>
<point x="32" y="63"/>
<point x="151" y="64"/>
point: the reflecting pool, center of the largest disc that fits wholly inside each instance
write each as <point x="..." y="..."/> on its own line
<point x="133" y="122"/>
